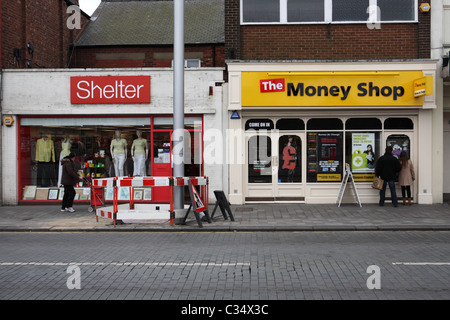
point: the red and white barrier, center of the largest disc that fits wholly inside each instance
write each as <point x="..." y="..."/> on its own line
<point x="142" y="211"/>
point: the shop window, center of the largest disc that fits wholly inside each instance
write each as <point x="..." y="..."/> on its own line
<point x="259" y="159"/>
<point x="324" y="156"/>
<point x="289" y="167"/>
<point x="43" y="145"/>
<point x="399" y="143"/>
<point x="363" y="124"/>
<point x="290" y="124"/>
<point x="361" y="153"/>
<point x="398" y="124"/>
<point x="325" y="124"/>
<point x="103" y="147"/>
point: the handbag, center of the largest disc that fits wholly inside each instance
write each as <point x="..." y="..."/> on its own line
<point x="377" y="183"/>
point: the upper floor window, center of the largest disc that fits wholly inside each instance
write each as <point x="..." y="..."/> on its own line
<point x="327" y="11"/>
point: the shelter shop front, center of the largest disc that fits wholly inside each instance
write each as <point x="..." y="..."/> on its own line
<point x="301" y="124"/>
<point x="117" y="123"/>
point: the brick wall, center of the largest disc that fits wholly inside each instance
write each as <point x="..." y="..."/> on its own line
<point x="41" y="23"/>
<point x="144" y="56"/>
<point x="324" y="42"/>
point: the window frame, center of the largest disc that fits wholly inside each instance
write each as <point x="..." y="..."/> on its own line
<point x="328" y="16"/>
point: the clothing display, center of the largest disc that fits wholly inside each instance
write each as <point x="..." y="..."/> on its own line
<point x="45" y="155"/>
<point x="45" y="150"/>
<point x="66" y="145"/>
<point x="119" y="154"/>
<point x="139" y="165"/>
<point x="139" y="152"/>
<point x="119" y="162"/>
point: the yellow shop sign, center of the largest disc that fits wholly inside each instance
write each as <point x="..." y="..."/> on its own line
<point x="330" y="89"/>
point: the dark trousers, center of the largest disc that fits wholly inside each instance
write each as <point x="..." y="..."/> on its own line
<point x="406" y="190"/>
<point x="69" y="195"/>
<point x="44" y="174"/>
<point x="391" y="184"/>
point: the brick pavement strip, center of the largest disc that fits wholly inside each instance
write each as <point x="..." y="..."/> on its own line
<point x="250" y="217"/>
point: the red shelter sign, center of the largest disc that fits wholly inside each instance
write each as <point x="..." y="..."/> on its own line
<point x="110" y="89"/>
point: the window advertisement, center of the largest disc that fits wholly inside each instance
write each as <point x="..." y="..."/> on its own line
<point x="399" y="143"/>
<point x="324" y="156"/>
<point x="289" y="169"/>
<point x="362" y="152"/>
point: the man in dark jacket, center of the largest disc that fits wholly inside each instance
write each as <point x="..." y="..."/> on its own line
<point x="69" y="178"/>
<point x="387" y="168"/>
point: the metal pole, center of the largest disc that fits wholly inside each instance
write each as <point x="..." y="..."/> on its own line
<point x="178" y="102"/>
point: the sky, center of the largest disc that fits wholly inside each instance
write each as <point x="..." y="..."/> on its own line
<point x="89" y="6"/>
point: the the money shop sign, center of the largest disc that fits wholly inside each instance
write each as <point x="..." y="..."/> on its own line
<point x="330" y="89"/>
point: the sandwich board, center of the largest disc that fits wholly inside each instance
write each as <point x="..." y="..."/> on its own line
<point x="347" y="176"/>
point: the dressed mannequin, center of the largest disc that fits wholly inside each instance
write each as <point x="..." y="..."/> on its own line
<point x="66" y="145"/>
<point x="119" y="152"/>
<point x="45" y="155"/>
<point x="139" y="152"/>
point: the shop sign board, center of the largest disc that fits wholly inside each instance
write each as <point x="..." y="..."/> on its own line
<point x="110" y="89"/>
<point x="423" y="86"/>
<point x="329" y="89"/>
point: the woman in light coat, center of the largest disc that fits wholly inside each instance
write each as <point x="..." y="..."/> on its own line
<point x="406" y="176"/>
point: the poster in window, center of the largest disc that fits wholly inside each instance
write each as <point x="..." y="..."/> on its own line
<point x="324" y="157"/>
<point x="399" y="143"/>
<point x="363" y="152"/>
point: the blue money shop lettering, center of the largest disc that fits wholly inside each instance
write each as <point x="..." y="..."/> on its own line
<point x="364" y="89"/>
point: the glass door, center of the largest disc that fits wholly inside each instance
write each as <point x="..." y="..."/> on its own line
<point x="161" y="163"/>
<point x="288" y="174"/>
<point x="274" y="166"/>
<point x="259" y="161"/>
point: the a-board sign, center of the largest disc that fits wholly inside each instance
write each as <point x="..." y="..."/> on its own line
<point x="223" y="204"/>
<point x="197" y="205"/>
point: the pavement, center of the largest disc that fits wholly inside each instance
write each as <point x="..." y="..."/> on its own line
<point x="248" y="217"/>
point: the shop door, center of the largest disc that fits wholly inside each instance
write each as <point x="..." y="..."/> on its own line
<point x="161" y="164"/>
<point x="275" y="167"/>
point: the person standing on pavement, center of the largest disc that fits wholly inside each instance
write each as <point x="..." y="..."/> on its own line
<point x="406" y="176"/>
<point x="387" y="168"/>
<point x="69" y="179"/>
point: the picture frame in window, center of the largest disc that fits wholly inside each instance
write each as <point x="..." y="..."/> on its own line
<point x="138" y="194"/>
<point x="53" y="194"/>
<point x="109" y="193"/>
<point x="41" y="194"/>
<point x="124" y="193"/>
<point x="29" y="192"/>
<point x="147" y="194"/>
<point x="61" y="193"/>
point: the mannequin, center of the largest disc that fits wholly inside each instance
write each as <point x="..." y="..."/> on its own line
<point x="66" y="145"/>
<point x="119" y="152"/>
<point x="139" y="152"/>
<point x="45" y="155"/>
